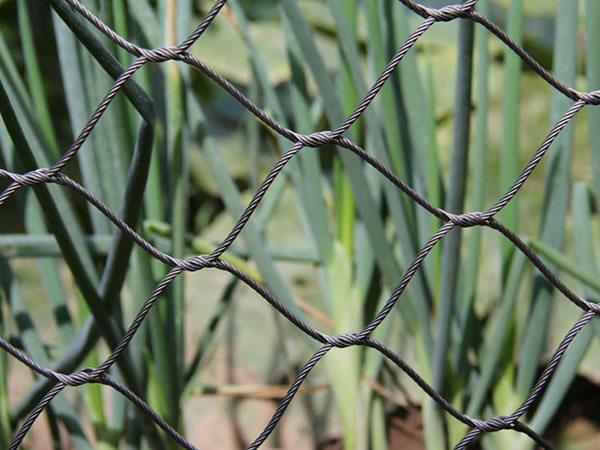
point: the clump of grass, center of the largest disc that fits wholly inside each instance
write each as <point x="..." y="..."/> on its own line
<point x="160" y="150"/>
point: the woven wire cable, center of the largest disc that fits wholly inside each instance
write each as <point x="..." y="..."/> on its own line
<point x="300" y="141"/>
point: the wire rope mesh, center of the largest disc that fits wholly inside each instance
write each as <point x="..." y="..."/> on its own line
<point x="143" y="56"/>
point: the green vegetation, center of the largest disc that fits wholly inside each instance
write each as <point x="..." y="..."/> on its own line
<point x="178" y="158"/>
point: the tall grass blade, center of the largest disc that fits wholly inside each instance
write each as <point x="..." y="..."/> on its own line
<point x="555" y="195"/>
<point x="419" y="138"/>
<point x="454" y="203"/>
<point x="509" y="152"/>
<point x="235" y="206"/>
<point x="113" y="68"/>
<point x="101" y="161"/>
<point x="568" y="367"/>
<point x="456" y="193"/>
<point x="35" y="348"/>
<point x="592" y="59"/>
<point x="363" y="196"/>
<point x="346" y="304"/>
<point x="566" y="264"/>
<point x="208" y="337"/>
<point x="34" y="223"/>
<point x="477" y="191"/>
<point x="79" y="89"/>
<point x="5" y="420"/>
<point x="495" y="345"/>
<point x="34" y="77"/>
<point x="396" y="135"/>
<point x="307" y="174"/>
<point x="375" y="142"/>
<point x="55" y="292"/>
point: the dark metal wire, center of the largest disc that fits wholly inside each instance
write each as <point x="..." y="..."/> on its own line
<point x="300" y="141"/>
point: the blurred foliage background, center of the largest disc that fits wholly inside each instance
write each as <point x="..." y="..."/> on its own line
<point x="331" y="238"/>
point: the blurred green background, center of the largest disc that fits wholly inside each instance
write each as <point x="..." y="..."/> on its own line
<point x="331" y="238"/>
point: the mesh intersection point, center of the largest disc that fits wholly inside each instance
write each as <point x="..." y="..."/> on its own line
<point x="142" y="56"/>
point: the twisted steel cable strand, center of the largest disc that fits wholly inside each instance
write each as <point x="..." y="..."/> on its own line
<point x="465" y="11"/>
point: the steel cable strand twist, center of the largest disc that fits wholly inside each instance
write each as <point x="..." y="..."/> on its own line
<point x="465" y="10"/>
<point x="87" y="376"/>
<point x="337" y="341"/>
<point x="180" y="53"/>
<point x="590" y="98"/>
<point x="315" y="139"/>
<point x="33" y="415"/>
<point x="536" y="158"/>
<point x="506" y="422"/>
<point x="444" y="14"/>
<point x="107" y="380"/>
<point x="198" y="262"/>
<point x="488" y="425"/>
<point x="157" y="55"/>
<point x="445" y="404"/>
<point x="308" y="140"/>
<point x="75" y="379"/>
<point x="320" y="138"/>
<point x="583" y="304"/>
<point x="165" y="53"/>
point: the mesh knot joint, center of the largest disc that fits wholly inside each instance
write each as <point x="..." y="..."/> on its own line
<point x="590" y="98"/>
<point x="194" y="263"/>
<point x="592" y="306"/>
<point x="160" y="54"/>
<point x="469" y="219"/>
<point x="451" y="12"/>
<point x="37" y="176"/>
<point x="316" y="139"/>
<point x="84" y="376"/>
<point x="345" y="340"/>
<point x="494" y="424"/>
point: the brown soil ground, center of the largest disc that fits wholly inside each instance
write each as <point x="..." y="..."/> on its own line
<point x="576" y="425"/>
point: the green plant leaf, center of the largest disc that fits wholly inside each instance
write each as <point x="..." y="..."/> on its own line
<point x="567" y="368"/>
<point x="555" y="196"/>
